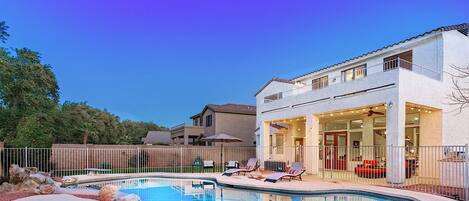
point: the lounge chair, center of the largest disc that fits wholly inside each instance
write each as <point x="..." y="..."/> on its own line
<point x="208" y="165"/>
<point x="296" y="170"/>
<point x="231" y="164"/>
<point x="250" y="166"/>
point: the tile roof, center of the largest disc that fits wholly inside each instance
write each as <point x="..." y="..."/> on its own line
<point x="230" y="108"/>
<point x="275" y="79"/>
<point x="157" y="137"/>
<point x="463" y="28"/>
<point x="233" y="108"/>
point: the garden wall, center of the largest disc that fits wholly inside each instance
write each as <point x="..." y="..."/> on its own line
<point x="79" y="156"/>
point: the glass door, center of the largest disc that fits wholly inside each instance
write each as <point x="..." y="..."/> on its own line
<point x="336" y="150"/>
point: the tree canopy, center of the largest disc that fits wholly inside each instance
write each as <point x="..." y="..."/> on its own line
<point x="31" y="115"/>
<point x="3" y="31"/>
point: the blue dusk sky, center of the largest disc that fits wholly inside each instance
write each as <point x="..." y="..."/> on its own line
<point x="162" y="61"/>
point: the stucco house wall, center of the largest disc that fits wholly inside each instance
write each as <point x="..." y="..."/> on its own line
<point x="237" y="125"/>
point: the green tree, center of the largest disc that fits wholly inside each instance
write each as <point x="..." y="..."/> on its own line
<point x="27" y="87"/>
<point x="34" y="131"/>
<point x="30" y="115"/>
<point x="3" y="32"/>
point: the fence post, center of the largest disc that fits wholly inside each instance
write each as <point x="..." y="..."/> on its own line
<point x="26" y="157"/>
<point x="87" y="157"/>
<point x="323" y="161"/>
<point x="180" y="159"/>
<point x="138" y="159"/>
<point x="466" y="172"/>
<point x="332" y="155"/>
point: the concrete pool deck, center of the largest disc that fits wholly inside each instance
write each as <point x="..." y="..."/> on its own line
<point x="308" y="185"/>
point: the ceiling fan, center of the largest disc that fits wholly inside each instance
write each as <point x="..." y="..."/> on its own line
<point x="371" y="112"/>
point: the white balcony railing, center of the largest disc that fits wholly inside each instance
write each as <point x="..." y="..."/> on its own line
<point x="301" y="88"/>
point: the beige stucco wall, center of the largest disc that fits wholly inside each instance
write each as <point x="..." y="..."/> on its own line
<point x="237" y="125"/>
<point x="208" y="130"/>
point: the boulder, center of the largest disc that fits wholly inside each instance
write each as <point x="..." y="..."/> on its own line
<point x="46" y="189"/>
<point x="7" y="187"/>
<point x="131" y="197"/>
<point x="17" y="174"/>
<point x="108" y="193"/>
<point x="39" y="178"/>
<point x="29" y="185"/>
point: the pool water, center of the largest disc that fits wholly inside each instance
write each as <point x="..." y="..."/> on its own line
<point x="159" y="189"/>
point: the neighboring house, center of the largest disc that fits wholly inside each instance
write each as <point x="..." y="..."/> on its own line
<point x="233" y="119"/>
<point x="392" y="96"/>
<point x="158" y="138"/>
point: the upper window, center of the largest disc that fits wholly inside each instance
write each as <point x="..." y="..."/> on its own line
<point x="208" y="120"/>
<point x="321" y="82"/>
<point x="273" y="97"/>
<point x="354" y="73"/>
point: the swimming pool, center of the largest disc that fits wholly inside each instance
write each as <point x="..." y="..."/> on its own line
<point x="164" y="189"/>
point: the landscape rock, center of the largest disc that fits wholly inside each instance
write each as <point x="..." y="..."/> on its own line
<point x="17" y="174"/>
<point x="108" y="193"/>
<point x="30" y="180"/>
<point x="46" y="189"/>
<point x="7" y="187"/>
<point x="131" y="197"/>
<point x="29" y="185"/>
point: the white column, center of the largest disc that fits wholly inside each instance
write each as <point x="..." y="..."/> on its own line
<point x="311" y="158"/>
<point x="395" y="141"/>
<point x="367" y="150"/>
<point x="263" y="145"/>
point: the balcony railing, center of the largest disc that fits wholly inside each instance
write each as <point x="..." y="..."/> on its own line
<point x="301" y="88"/>
<point x="183" y="125"/>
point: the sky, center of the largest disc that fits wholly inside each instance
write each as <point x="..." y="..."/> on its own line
<point x="162" y="61"/>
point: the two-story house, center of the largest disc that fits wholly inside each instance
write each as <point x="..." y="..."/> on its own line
<point x="394" y="96"/>
<point x="234" y="119"/>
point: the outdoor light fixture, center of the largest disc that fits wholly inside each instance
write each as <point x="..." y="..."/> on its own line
<point x="388" y="104"/>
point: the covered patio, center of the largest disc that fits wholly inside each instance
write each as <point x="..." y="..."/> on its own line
<point x="387" y="135"/>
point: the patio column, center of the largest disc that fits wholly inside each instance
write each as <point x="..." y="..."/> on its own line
<point x="264" y="146"/>
<point x="395" y="142"/>
<point x="186" y="139"/>
<point x="311" y="150"/>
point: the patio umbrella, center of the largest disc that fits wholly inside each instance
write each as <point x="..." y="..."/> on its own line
<point x="223" y="138"/>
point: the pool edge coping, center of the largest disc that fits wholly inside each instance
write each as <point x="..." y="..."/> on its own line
<point x="351" y="190"/>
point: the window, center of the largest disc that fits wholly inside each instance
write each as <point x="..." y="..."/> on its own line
<point x="279" y="143"/>
<point x="379" y="122"/>
<point x="356" y="124"/>
<point x="336" y="125"/>
<point x="273" y="97"/>
<point x="208" y="120"/>
<point x="356" y="141"/>
<point x="195" y="122"/>
<point x="412" y="119"/>
<point x="354" y="73"/>
<point x="321" y="82"/>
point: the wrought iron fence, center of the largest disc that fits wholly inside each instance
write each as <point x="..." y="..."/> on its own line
<point x="81" y="161"/>
<point x="442" y="170"/>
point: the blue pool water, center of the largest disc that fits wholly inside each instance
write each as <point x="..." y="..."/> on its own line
<point x="159" y="189"/>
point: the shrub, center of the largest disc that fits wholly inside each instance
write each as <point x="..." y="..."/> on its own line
<point x="141" y="159"/>
<point x="105" y="165"/>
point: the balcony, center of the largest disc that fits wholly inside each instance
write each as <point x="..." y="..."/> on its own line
<point x="374" y="76"/>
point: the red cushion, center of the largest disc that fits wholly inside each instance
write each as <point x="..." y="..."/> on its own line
<point x="370" y="170"/>
<point x="370" y="162"/>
